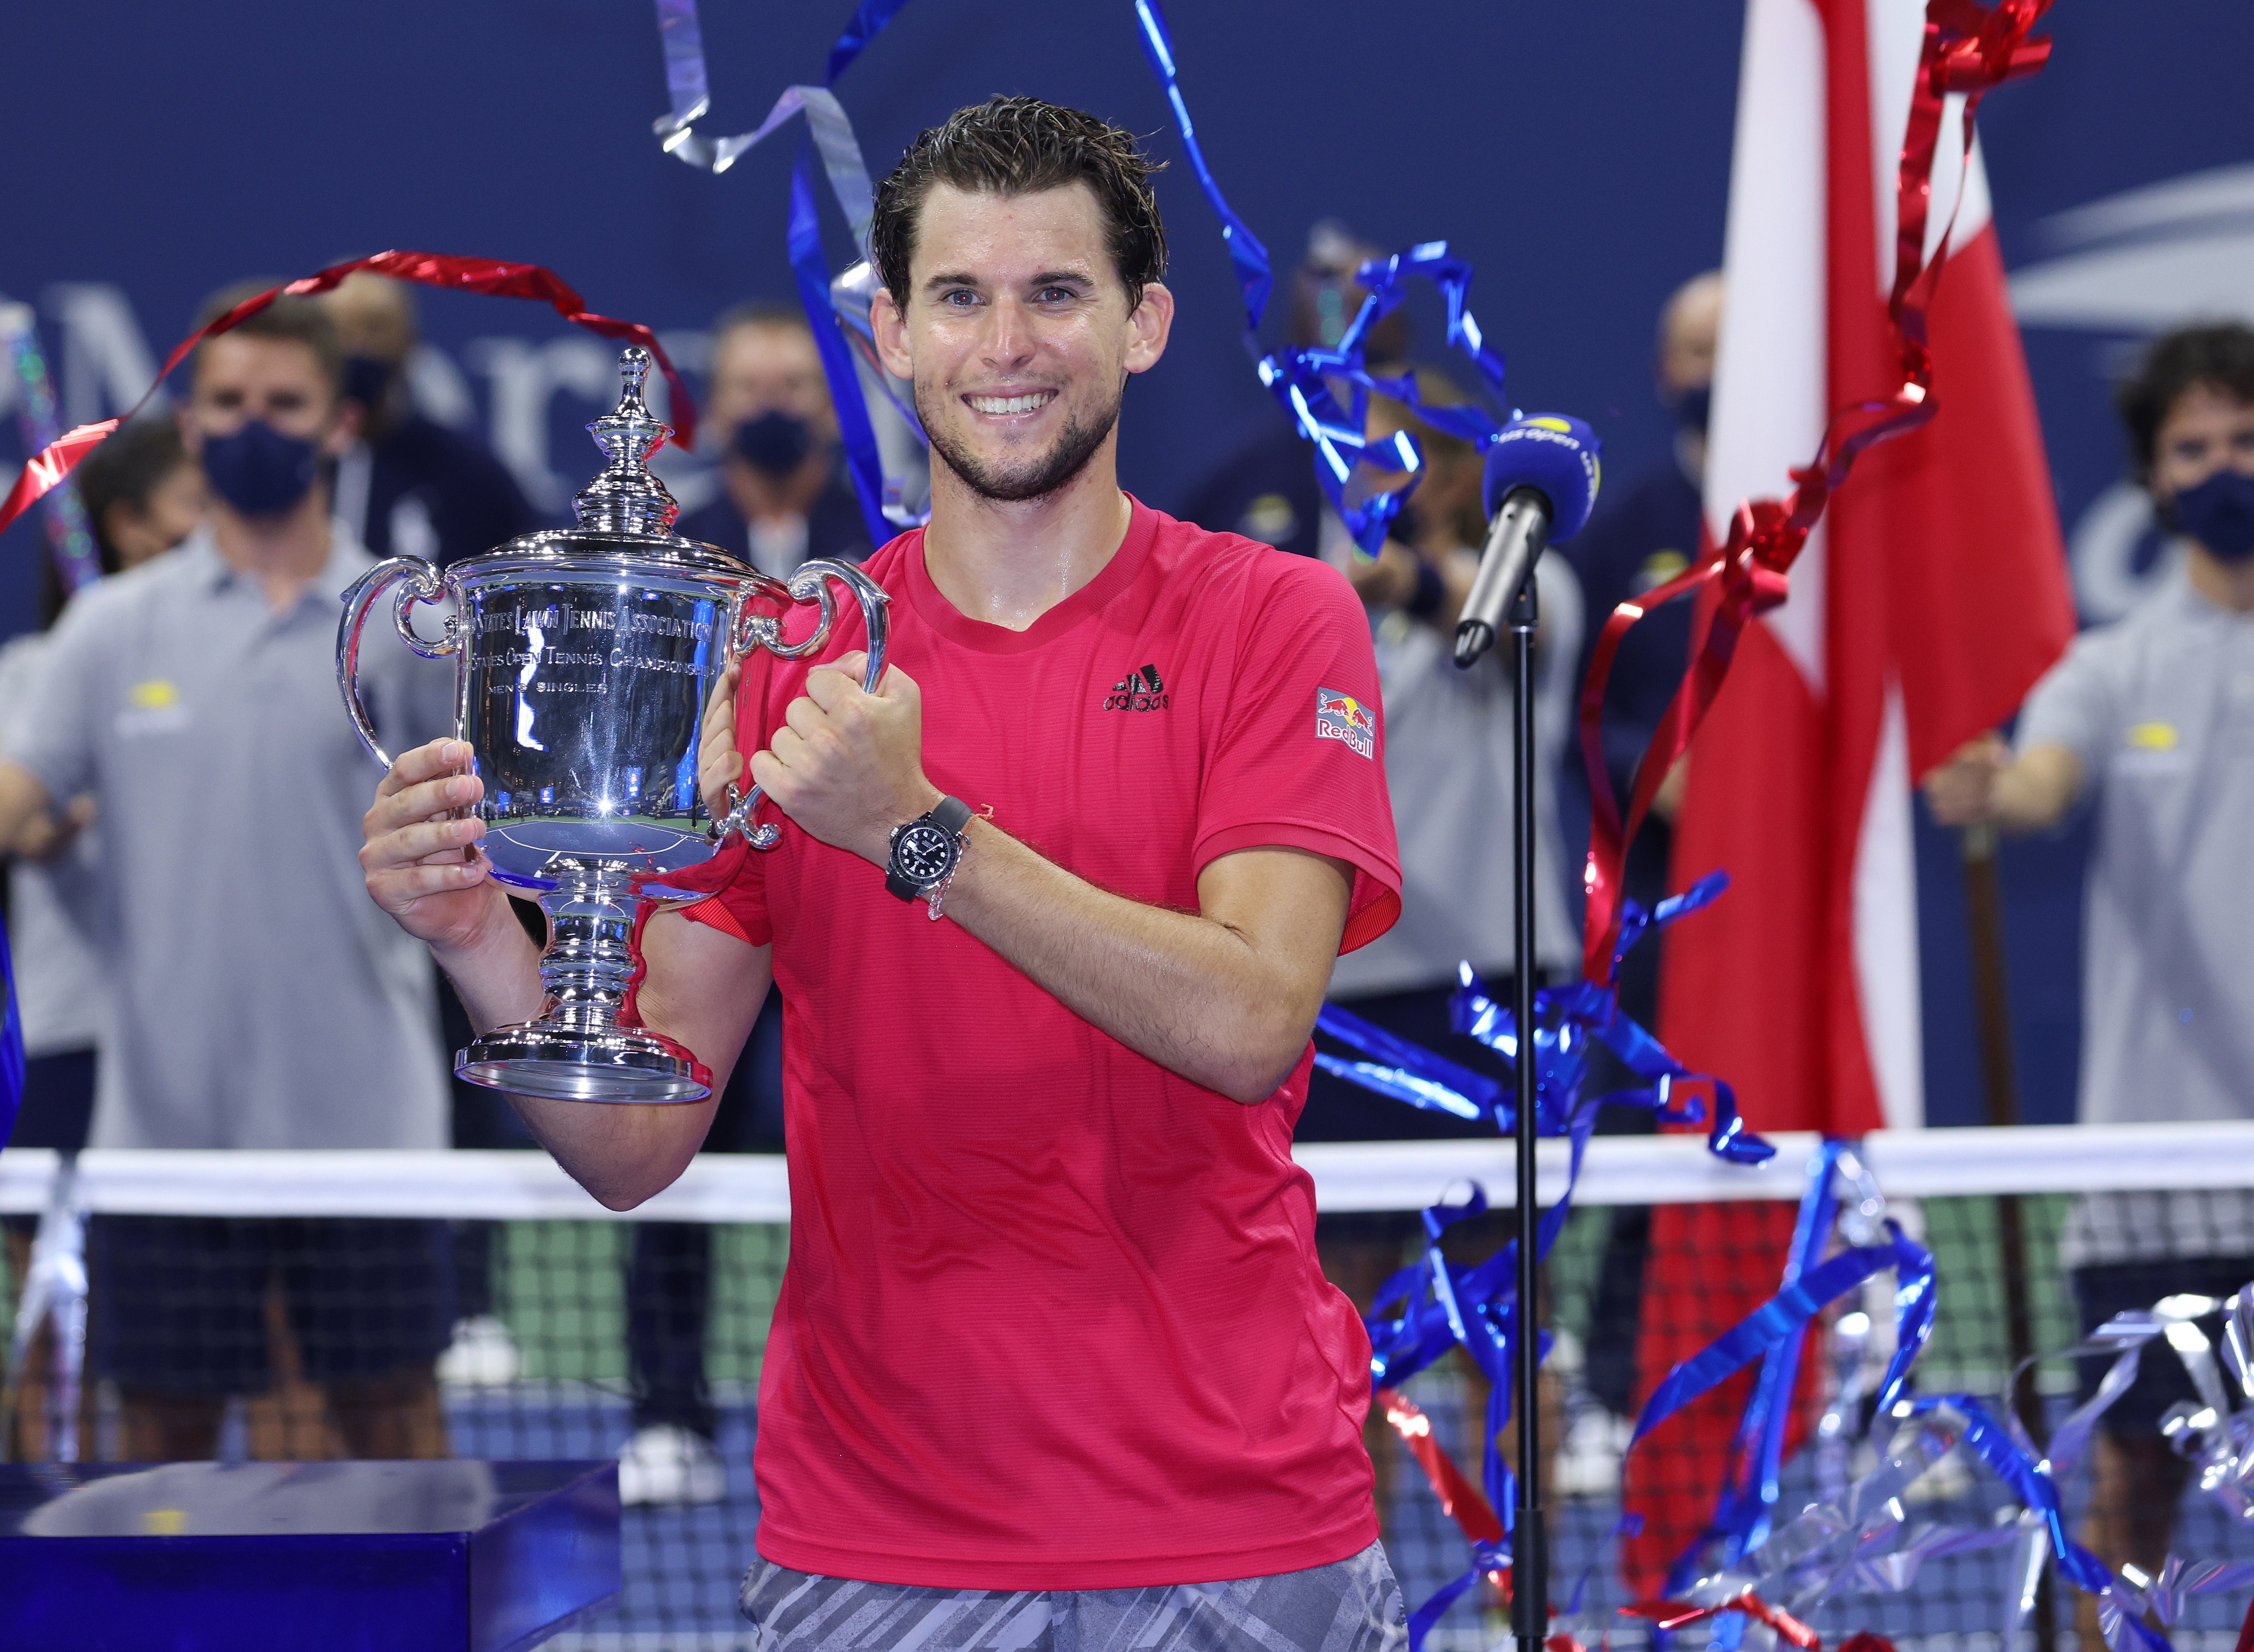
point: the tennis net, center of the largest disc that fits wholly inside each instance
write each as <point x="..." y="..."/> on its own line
<point x="295" y="1283"/>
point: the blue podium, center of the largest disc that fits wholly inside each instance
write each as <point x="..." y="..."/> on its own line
<point x="444" y="1557"/>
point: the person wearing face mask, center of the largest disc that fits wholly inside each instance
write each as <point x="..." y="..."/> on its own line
<point x="253" y="1002"/>
<point x="784" y="497"/>
<point x="412" y="487"/>
<point x="2149" y="721"/>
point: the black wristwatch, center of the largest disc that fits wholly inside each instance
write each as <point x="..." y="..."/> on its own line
<point x="926" y="853"/>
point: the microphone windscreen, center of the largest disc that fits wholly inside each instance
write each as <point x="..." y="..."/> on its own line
<point x="1554" y="452"/>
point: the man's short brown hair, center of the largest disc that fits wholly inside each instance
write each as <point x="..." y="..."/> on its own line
<point x="1018" y="146"/>
<point x="2220" y="356"/>
<point x="305" y="320"/>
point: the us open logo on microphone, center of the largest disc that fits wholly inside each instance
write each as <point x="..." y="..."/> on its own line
<point x="1340" y="716"/>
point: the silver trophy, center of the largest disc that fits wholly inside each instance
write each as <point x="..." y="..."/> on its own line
<point x="584" y="658"/>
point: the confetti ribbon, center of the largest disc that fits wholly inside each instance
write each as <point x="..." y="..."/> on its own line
<point x="1302" y="379"/>
<point x="58" y="459"/>
<point x="71" y="540"/>
<point x="1863" y="1539"/>
<point x="1773" y="1332"/>
<point x="1568" y="1021"/>
<point x="1965" y="51"/>
<point x="886" y="453"/>
<point x="11" y="1043"/>
<point x="1431" y="1306"/>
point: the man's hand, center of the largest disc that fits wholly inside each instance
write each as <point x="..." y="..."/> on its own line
<point x="423" y="865"/>
<point x="45" y="835"/>
<point x="1985" y="785"/>
<point x="1962" y="792"/>
<point x="719" y="765"/>
<point x="846" y="765"/>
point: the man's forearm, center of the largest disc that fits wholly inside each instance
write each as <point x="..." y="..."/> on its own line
<point x="22" y="799"/>
<point x="695" y="990"/>
<point x="497" y="976"/>
<point x="2034" y="793"/>
<point x="1191" y="993"/>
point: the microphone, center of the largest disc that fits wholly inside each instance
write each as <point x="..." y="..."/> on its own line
<point x="1542" y="476"/>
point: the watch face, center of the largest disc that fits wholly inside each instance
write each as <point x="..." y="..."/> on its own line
<point x="924" y="854"/>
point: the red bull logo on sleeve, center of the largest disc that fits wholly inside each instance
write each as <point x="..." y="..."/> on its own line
<point x="1340" y="716"/>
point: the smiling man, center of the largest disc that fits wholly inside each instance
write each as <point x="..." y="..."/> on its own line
<point x="1052" y="913"/>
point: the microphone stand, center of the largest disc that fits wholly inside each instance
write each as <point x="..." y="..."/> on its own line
<point x="1530" y="1549"/>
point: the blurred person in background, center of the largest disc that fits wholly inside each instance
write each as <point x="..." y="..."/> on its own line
<point x="784" y="499"/>
<point x="143" y="495"/>
<point x="253" y="1005"/>
<point x="2149" y="721"/>
<point x="409" y="486"/>
<point x="1264" y="487"/>
<point x="1638" y="538"/>
<point x="784" y="494"/>
<point x="1448" y="766"/>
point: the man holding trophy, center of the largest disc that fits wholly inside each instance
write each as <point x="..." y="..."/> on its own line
<point x="1053" y="909"/>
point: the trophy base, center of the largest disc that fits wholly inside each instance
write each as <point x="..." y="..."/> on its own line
<point x="562" y="1064"/>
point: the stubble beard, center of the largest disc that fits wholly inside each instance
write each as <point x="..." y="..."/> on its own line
<point x="1035" y="478"/>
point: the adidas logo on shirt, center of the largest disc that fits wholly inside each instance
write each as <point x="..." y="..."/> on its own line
<point x="1137" y="691"/>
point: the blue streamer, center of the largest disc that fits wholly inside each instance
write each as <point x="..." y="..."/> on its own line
<point x="810" y="270"/>
<point x="1254" y="276"/>
<point x="1787" y="1313"/>
<point x="831" y="136"/>
<point x="1301" y="378"/>
<point x="11" y="1045"/>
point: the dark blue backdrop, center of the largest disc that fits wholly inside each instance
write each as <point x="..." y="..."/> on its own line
<point x="1578" y="154"/>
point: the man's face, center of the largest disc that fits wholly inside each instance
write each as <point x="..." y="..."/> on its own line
<point x="2205" y="430"/>
<point x="760" y="367"/>
<point x="240" y="378"/>
<point x="1686" y="348"/>
<point x="1018" y="336"/>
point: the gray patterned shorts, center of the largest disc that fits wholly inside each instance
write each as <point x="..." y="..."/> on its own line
<point x="1353" y="1605"/>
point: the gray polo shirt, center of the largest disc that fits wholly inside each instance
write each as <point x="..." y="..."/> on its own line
<point x="260" y="999"/>
<point x="2160" y="708"/>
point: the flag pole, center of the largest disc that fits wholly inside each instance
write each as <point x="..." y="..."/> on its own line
<point x="1992" y="993"/>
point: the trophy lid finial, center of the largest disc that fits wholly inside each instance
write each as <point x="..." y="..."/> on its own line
<point x="626" y="497"/>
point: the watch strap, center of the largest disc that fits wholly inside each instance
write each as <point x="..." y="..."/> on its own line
<point x="951" y="815"/>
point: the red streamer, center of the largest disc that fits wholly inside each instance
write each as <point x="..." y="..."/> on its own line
<point x="1966" y="50"/>
<point x="1674" y="1615"/>
<point x="51" y="464"/>
<point x="1459" y="1499"/>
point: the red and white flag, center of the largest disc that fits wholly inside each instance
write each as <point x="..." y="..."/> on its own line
<point x="1926" y="604"/>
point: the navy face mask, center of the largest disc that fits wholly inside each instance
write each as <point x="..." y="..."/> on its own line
<point x="774" y="443"/>
<point x="2219" y="512"/>
<point x="1692" y="408"/>
<point x="258" y="470"/>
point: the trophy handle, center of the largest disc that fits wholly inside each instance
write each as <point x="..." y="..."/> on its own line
<point x="810" y="584"/>
<point x="426" y="583"/>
